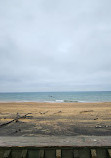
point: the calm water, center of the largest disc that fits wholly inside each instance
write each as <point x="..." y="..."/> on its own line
<point x="101" y="96"/>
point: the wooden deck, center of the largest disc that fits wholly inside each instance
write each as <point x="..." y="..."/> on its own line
<point x="55" y="147"/>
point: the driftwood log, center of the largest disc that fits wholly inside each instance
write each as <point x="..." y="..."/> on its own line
<point x="16" y="119"/>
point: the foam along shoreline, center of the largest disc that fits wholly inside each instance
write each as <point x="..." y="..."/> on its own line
<point x="55" y="101"/>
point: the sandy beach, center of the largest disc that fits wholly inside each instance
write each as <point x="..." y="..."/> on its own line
<point x="66" y="119"/>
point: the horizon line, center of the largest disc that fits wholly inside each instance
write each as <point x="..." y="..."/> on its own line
<point x="58" y="91"/>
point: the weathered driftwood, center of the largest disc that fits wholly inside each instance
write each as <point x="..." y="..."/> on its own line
<point x="44" y="112"/>
<point x="6" y="123"/>
<point x="21" y="117"/>
<point x="16" y="119"/>
<point x="57" y="112"/>
<point x="86" y="111"/>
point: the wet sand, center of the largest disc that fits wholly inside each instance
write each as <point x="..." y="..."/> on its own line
<point x="58" y="119"/>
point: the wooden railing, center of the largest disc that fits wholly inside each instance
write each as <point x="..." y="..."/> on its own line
<point x="46" y="147"/>
<point x="55" y="152"/>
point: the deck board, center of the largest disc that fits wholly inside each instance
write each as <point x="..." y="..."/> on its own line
<point x="45" y="141"/>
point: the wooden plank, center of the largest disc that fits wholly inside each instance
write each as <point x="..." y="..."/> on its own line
<point x="93" y="153"/>
<point x="16" y="153"/>
<point x="67" y="153"/>
<point x="58" y="153"/>
<point x="84" y="153"/>
<point x="33" y="153"/>
<point x="101" y="153"/>
<point x="50" y="153"/>
<point x="7" y="154"/>
<point x="41" y="154"/>
<point x="109" y="153"/>
<point x="24" y="154"/>
<point x="1" y="153"/>
<point x="76" y="153"/>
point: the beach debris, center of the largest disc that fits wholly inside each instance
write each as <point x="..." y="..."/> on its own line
<point x="57" y="112"/>
<point x="96" y="118"/>
<point x="44" y="112"/>
<point x="16" y="119"/>
<point x="16" y="131"/>
<point x="86" y="111"/>
<point x="29" y="117"/>
<point x="98" y="126"/>
<point x="102" y="126"/>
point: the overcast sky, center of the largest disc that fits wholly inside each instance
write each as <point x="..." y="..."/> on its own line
<point x="55" y="45"/>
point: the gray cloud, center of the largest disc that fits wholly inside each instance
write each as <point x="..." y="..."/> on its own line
<point x="55" y="45"/>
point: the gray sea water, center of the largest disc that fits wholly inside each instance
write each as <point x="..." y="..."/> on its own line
<point x="92" y="96"/>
